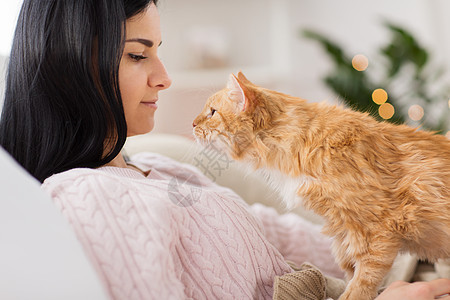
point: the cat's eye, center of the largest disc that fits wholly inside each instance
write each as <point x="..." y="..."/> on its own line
<point x="211" y="113"/>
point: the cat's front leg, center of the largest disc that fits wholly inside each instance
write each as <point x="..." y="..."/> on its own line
<point x="345" y="261"/>
<point x="369" y="272"/>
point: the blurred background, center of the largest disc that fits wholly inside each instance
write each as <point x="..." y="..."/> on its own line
<point x="391" y="58"/>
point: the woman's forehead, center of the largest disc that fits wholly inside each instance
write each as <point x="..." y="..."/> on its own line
<point x="145" y="26"/>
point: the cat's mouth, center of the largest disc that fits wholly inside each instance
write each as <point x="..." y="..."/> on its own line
<point x="201" y="141"/>
<point x="206" y="137"/>
<point x="201" y="136"/>
<point x="212" y="144"/>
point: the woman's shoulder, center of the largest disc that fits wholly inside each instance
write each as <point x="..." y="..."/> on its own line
<point x="74" y="174"/>
<point x="80" y="179"/>
<point x="89" y="188"/>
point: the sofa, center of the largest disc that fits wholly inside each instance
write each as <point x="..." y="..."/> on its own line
<point x="42" y="259"/>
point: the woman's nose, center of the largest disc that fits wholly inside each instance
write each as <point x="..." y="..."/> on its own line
<point x="160" y="78"/>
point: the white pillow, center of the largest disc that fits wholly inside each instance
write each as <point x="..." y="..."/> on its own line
<point x="40" y="257"/>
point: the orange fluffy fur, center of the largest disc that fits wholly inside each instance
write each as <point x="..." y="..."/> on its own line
<point x="382" y="188"/>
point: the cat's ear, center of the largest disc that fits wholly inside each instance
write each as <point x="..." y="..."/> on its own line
<point x="243" y="79"/>
<point x="236" y="93"/>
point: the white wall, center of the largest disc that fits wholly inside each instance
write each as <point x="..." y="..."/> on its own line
<point x="3" y="69"/>
<point x="9" y="11"/>
<point x="261" y="37"/>
<point x="357" y="25"/>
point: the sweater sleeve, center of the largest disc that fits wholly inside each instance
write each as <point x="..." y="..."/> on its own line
<point x="297" y="239"/>
<point x="132" y="254"/>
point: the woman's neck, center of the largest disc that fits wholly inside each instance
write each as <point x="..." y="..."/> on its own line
<point x="118" y="161"/>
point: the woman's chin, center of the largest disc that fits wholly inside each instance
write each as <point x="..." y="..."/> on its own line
<point x="140" y="131"/>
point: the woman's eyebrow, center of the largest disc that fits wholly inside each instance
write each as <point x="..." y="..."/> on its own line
<point x="145" y="42"/>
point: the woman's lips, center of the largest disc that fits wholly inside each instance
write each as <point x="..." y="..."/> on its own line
<point x="150" y="104"/>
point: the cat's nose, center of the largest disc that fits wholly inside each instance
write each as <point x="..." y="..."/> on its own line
<point x="193" y="124"/>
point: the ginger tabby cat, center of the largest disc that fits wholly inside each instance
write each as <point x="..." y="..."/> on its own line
<point x="381" y="188"/>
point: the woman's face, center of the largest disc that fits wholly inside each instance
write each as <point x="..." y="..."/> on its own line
<point x="141" y="73"/>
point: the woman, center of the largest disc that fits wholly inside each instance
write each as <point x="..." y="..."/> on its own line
<point x="83" y="76"/>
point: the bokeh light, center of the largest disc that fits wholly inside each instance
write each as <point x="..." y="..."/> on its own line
<point x="416" y="112"/>
<point x="379" y="96"/>
<point x="386" y="111"/>
<point x="360" y="62"/>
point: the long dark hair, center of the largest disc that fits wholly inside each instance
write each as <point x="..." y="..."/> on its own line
<point x="62" y="105"/>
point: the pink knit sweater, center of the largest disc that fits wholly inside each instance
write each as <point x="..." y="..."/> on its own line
<point x="175" y="234"/>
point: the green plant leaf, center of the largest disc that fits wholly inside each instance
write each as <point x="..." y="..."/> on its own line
<point x="335" y="51"/>
<point x="355" y="88"/>
<point x="403" y="49"/>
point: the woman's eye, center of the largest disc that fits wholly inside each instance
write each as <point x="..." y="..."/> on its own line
<point x="136" y="57"/>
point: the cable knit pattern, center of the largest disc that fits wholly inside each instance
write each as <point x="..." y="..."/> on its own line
<point x="145" y="244"/>
<point x="283" y="231"/>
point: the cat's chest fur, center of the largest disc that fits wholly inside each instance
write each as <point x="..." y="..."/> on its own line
<point x="287" y="186"/>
